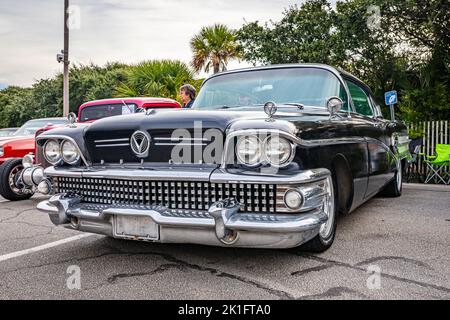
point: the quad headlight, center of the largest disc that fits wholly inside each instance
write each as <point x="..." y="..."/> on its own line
<point x="249" y="150"/>
<point x="278" y="151"/>
<point x="69" y="152"/>
<point x="52" y="152"/>
<point x="56" y="152"/>
<point x="253" y="151"/>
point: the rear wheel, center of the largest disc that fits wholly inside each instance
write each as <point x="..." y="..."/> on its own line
<point x="9" y="174"/>
<point x="327" y="232"/>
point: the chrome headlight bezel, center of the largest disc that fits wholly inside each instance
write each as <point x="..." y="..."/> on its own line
<point x="75" y="150"/>
<point x="259" y="146"/>
<point x="289" y="155"/>
<point x="56" y="160"/>
<point x="264" y="136"/>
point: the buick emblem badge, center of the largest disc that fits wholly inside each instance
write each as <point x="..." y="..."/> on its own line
<point x="140" y="143"/>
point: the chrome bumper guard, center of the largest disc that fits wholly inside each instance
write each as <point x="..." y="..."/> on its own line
<point x="221" y="225"/>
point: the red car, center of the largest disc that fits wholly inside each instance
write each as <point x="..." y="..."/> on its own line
<point x="22" y="141"/>
<point x="17" y="146"/>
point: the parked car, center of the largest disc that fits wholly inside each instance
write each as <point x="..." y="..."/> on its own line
<point x="6" y="132"/>
<point x="22" y="143"/>
<point x="266" y="158"/>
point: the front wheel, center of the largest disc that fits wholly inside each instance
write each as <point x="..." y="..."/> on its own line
<point x="327" y="231"/>
<point x="9" y="174"/>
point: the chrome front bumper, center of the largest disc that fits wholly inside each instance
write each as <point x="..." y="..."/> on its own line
<point x="221" y="225"/>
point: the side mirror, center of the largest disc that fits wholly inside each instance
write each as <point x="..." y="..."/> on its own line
<point x="334" y="105"/>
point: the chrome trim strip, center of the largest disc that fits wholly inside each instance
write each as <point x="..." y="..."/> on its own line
<point x="62" y="137"/>
<point x="111" y="140"/>
<point x="132" y="174"/>
<point x="181" y="139"/>
<point x="222" y="176"/>
<point x="112" y="145"/>
<point x="212" y="175"/>
<point x="180" y="144"/>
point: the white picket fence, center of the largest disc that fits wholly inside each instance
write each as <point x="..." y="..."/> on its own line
<point x="435" y="132"/>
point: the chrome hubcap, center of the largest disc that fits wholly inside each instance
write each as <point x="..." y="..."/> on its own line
<point x="12" y="178"/>
<point x="328" y="207"/>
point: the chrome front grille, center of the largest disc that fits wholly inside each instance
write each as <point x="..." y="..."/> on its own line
<point x="182" y="195"/>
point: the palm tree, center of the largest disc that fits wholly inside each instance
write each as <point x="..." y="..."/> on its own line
<point x="213" y="47"/>
<point x="155" y="78"/>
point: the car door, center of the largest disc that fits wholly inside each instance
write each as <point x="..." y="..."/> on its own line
<point x="373" y="129"/>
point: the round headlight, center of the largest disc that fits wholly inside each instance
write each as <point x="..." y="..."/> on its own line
<point x="248" y="150"/>
<point x="278" y="151"/>
<point x="52" y="151"/>
<point x="69" y="152"/>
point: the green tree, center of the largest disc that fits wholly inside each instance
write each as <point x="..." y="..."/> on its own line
<point x="155" y="78"/>
<point x="92" y="82"/>
<point x="304" y="34"/>
<point x="408" y="50"/>
<point x="214" y="46"/>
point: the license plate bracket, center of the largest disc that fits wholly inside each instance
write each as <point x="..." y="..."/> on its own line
<point x="135" y="228"/>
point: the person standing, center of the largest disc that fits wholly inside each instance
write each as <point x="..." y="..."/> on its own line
<point x="187" y="94"/>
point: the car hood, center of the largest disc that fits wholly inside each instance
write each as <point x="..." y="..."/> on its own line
<point x="6" y="140"/>
<point x="170" y="119"/>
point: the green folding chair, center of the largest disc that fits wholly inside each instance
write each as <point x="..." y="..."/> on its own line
<point x="438" y="164"/>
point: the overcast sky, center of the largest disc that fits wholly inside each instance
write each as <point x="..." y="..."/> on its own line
<point x="31" y="31"/>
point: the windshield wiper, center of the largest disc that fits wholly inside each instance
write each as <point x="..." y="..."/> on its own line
<point x="295" y="104"/>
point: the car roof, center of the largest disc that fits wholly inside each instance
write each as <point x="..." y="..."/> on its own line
<point x="137" y="100"/>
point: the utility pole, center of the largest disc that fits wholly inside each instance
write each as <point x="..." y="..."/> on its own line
<point x="66" y="60"/>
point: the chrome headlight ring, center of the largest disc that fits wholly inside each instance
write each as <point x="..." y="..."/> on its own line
<point x="60" y="140"/>
<point x="229" y="152"/>
<point x="288" y="159"/>
<point x="249" y="141"/>
<point x="69" y="152"/>
<point x="56" y="150"/>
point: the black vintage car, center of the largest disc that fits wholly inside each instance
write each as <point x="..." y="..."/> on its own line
<point x="267" y="157"/>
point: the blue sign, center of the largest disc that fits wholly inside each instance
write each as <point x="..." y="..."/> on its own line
<point x="390" y="97"/>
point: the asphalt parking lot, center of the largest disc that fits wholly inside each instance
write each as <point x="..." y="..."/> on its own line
<point x="387" y="249"/>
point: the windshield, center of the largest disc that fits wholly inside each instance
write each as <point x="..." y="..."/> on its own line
<point x="7" y="132"/>
<point x="96" y="112"/>
<point x="30" y="127"/>
<point x="307" y="86"/>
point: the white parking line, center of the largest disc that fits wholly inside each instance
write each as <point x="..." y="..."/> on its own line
<point x="43" y="247"/>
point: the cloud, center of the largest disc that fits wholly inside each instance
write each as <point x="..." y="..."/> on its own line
<point x="113" y="30"/>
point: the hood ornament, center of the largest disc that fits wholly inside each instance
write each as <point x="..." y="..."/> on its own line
<point x="140" y="143"/>
<point x="72" y="119"/>
<point x="270" y="108"/>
